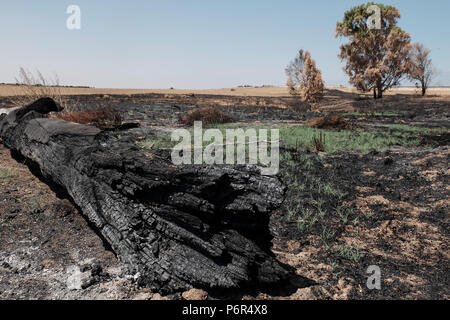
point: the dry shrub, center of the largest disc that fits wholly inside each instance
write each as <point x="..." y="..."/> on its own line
<point x="103" y="118"/>
<point x="298" y="105"/>
<point x="208" y="115"/>
<point x="331" y="121"/>
<point x="33" y="87"/>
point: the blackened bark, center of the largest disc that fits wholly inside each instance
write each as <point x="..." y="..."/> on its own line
<point x="380" y="94"/>
<point x="379" y="90"/>
<point x="176" y="227"/>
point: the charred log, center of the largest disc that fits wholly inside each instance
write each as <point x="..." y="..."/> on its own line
<point x="175" y="227"/>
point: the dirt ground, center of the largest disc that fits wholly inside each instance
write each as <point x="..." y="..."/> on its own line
<point x="397" y="219"/>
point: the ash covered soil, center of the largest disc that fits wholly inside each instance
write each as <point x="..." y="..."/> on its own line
<point x="344" y="211"/>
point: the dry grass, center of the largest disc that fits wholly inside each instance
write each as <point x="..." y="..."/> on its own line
<point x="208" y="115"/>
<point x="12" y="90"/>
<point x="319" y="143"/>
<point x="103" y="118"/>
<point x="33" y="87"/>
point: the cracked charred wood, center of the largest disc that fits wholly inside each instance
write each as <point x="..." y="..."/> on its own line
<point x="176" y="227"/>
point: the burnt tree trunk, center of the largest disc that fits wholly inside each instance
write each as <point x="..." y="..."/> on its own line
<point x="174" y="227"/>
<point x="379" y="89"/>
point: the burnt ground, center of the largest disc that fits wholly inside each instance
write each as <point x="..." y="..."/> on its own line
<point x="47" y="249"/>
<point x="343" y="213"/>
<point x="393" y="214"/>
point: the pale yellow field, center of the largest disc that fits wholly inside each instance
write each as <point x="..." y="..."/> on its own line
<point x="11" y="90"/>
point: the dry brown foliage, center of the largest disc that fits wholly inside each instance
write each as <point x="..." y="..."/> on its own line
<point x="376" y="63"/>
<point x="103" y="118"/>
<point x="331" y="121"/>
<point x="376" y="60"/>
<point x="305" y="79"/>
<point x="208" y="115"/>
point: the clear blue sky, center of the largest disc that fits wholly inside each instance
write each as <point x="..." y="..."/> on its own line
<point x="193" y="44"/>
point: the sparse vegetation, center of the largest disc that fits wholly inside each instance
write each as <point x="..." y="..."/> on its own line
<point x="33" y="87"/>
<point x="102" y="117"/>
<point x="5" y="175"/>
<point x="313" y="204"/>
<point x="160" y="141"/>
<point x="319" y="143"/>
<point x="330" y="121"/>
<point x="208" y="115"/>
<point x="36" y="205"/>
<point x="364" y="140"/>
<point x="330" y="141"/>
<point x="350" y="253"/>
<point x="361" y="140"/>
<point x="372" y="113"/>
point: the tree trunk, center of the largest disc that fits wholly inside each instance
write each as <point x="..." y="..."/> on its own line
<point x="380" y="94"/>
<point x="424" y="90"/>
<point x="175" y="227"/>
<point x="379" y="91"/>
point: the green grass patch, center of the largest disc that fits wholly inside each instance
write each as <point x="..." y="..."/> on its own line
<point x="313" y="202"/>
<point x="161" y="141"/>
<point x="6" y="175"/>
<point x="302" y="137"/>
<point x="305" y="138"/>
<point x="350" y="253"/>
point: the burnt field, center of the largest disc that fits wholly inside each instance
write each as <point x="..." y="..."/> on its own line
<point x="369" y="188"/>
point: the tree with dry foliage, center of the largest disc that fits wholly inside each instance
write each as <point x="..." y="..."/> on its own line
<point x="377" y="59"/>
<point x="421" y="67"/>
<point x="305" y="79"/>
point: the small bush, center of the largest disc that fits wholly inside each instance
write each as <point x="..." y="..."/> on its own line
<point x="332" y="121"/>
<point x="208" y="115"/>
<point x="103" y="118"/>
